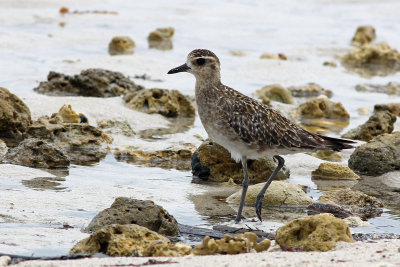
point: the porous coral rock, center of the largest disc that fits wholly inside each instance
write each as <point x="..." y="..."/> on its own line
<point x="161" y="38"/>
<point x="121" y="45"/>
<point x="170" y="103"/>
<point x="309" y="90"/>
<point x="328" y="170"/>
<point x="68" y="115"/>
<point x="314" y="233"/>
<point x="379" y="123"/>
<point x="171" y="158"/>
<point x="357" y="202"/>
<point x="378" y="156"/>
<point x="364" y="35"/>
<point x="278" y="193"/>
<point x="275" y="92"/>
<point x="393" y="108"/>
<point x="163" y="249"/>
<point x="141" y="212"/>
<point x="322" y="107"/>
<point x="239" y="243"/>
<point x="90" y="82"/>
<point x="116" y="126"/>
<point x="391" y="88"/>
<point x="372" y="59"/>
<point x="119" y="240"/>
<point x="15" y="117"/>
<point x="328" y="155"/>
<point x="213" y="162"/>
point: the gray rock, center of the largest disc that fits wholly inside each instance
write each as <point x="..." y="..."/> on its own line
<point x="37" y="153"/>
<point x="133" y="211"/>
<point x="90" y="82"/>
<point x="378" y="156"/>
<point x="379" y="123"/>
<point x="15" y="117"/>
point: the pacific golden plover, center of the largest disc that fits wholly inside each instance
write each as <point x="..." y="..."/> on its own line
<point x="247" y="128"/>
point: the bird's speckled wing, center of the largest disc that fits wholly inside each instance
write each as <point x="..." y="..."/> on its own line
<point x="260" y="126"/>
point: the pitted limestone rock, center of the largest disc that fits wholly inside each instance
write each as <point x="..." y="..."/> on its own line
<point x="133" y="211"/>
<point x="314" y="233"/>
<point x="121" y="45"/>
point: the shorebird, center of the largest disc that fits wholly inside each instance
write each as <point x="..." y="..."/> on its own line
<point x="244" y="126"/>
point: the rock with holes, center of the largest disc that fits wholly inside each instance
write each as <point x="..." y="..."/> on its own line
<point x="393" y="108"/>
<point x="161" y="38"/>
<point x="364" y="35"/>
<point x="171" y="158"/>
<point x="329" y="170"/>
<point x="90" y="82"/>
<point x="213" y="162"/>
<point x="380" y="155"/>
<point x="239" y="243"/>
<point x="379" y="123"/>
<point x="323" y="108"/>
<point x="170" y="103"/>
<point x="36" y="153"/>
<point x="15" y="117"/>
<point x="84" y="144"/>
<point x="275" y="92"/>
<point x="357" y="202"/>
<point x="121" y="45"/>
<point x="167" y="249"/>
<point x="116" y="126"/>
<point x="309" y="90"/>
<point x="372" y="59"/>
<point x="278" y="193"/>
<point x="119" y="240"/>
<point x="314" y="233"/>
<point x="133" y="211"/>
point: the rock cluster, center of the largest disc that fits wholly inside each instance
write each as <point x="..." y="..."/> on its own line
<point x="133" y="211"/>
<point x="309" y="90"/>
<point x="391" y="88"/>
<point x="161" y="38"/>
<point x="90" y="82"/>
<point x="372" y="59"/>
<point x="213" y="162"/>
<point x="321" y="107"/>
<point x="170" y="103"/>
<point x="355" y="201"/>
<point x="175" y="158"/>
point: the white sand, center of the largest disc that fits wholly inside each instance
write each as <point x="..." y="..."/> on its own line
<point x="372" y="253"/>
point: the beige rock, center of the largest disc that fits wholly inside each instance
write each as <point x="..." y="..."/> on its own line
<point x="163" y="249"/>
<point x="119" y="240"/>
<point x="213" y="162"/>
<point x="239" y="243"/>
<point x="279" y="56"/>
<point x="309" y="90"/>
<point x="328" y="155"/>
<point x="121" y="45"/>
<point x="173" y="158"/>
<point x="275" y="92"/>
<point x="68" y="115"/>
<point x="328" y="170"/>
<point x="364" y="35"/>
<point x="161" y="38"/>
<point x="357" y="202"/>
<point x="363" y="111"/>
<point x="393" y="108"/>
<point x="372" y="59"/>
<point x="314" y="233"/>
<point x="141" y="212"/>
<point x="15" y="117"/>
<point x="330" y="64"/>
<point x="379" y="123"/>
<point x="322" y="107"/>
<point x="238" y="53"/>
<point x="116" y="126"/>
<point x="170" y="103"/>
<point x="391" y="88"/>
<point x="278" y="193"/>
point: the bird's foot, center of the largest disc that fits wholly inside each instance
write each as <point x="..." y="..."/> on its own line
<point x="258" y="206"/>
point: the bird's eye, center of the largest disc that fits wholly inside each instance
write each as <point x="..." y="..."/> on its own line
<point x="200" y="61"/>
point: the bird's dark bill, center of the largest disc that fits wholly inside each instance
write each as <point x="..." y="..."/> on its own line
<point x="181" y="68"/>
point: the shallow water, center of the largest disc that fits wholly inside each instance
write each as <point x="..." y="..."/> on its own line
<point x="32" y="43"/>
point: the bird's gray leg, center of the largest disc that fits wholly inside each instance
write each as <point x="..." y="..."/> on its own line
<point x="260" y="195"/>
<point x="246" y="182"/>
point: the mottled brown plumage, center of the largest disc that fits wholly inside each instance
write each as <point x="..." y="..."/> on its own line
<point x="244" y="126"/>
